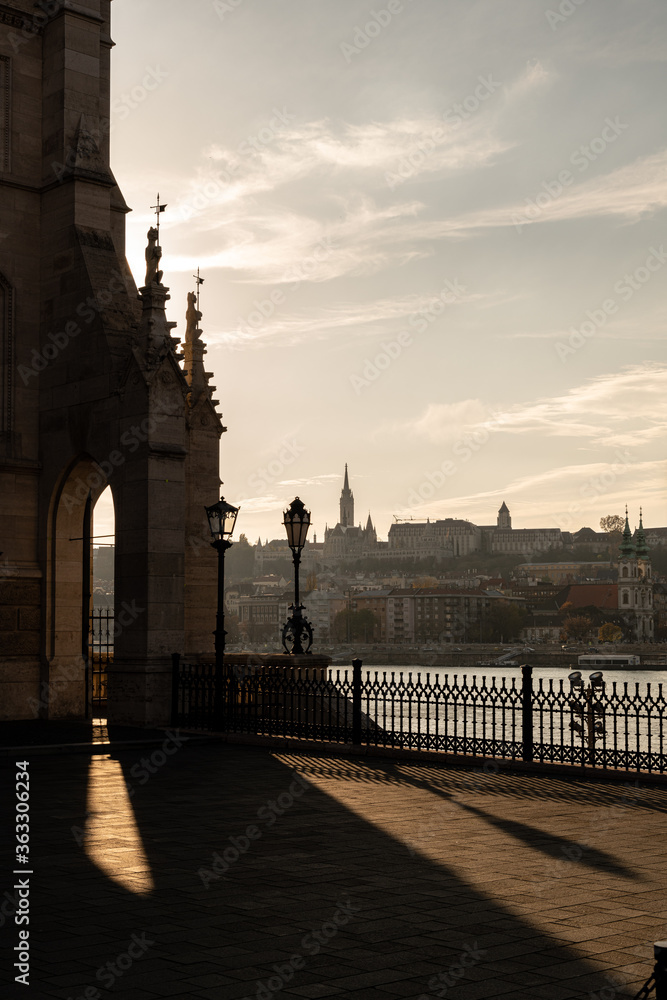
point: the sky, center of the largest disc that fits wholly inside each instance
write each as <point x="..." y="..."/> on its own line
<point x="432" y="234"/>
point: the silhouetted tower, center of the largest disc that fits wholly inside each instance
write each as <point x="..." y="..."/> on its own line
<point x="504" y="519"/>
<point x="346" y="503"/>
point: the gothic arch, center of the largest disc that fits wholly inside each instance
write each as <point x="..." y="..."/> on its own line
<point x="68" y="587"/>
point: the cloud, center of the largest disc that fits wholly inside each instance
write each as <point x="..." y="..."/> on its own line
<point x="630" y="192"/>
<point x="566" y="496"/>
<point x="445" y="422"/>
<point x="625" y="409"/>
<point x="311" y="480"/>
<point x="535" y="77"/>
<point x="245" y="206"/>
<point x="240" y="226"/>
<point x="261" y="505"/>
<point x="284" y="247"/>
<point x="376" y="317"/>
<point x="618" y="410"/>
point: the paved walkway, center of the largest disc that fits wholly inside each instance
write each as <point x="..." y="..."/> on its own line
<point x="218" y="871"/>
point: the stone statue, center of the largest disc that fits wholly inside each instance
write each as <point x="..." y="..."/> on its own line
<point x="192" y="318"/>
<point x="153" y="255"/>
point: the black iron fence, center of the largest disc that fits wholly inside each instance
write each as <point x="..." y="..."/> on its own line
<point x="599" y="724"/>
<point x="656" y="984"/>
<point x="100" y="656"/>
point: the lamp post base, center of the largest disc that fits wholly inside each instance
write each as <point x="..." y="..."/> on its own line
<point x="297" y="635"/>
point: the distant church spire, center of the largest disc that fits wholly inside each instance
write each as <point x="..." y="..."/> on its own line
<point x="641" y="545"/>
<point x="627" y="548"/>
<point x="346" y="503"/>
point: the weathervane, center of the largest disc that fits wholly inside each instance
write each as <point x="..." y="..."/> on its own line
<point x="200" y="281"/>
<point x="158" y="209"/>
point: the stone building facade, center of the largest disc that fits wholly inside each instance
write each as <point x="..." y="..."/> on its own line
<point x="95" y="392"/>
<point x="441" y="539"/>
<point x="503" y="539"/>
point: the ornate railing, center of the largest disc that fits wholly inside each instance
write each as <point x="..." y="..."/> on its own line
<point x="656" y="984"/>
<point x="603" y="725"/>
<point x="100" y="656"/>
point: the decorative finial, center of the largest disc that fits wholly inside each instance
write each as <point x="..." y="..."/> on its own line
<point x="200" y="281"/>
<point x="158" y="211"/>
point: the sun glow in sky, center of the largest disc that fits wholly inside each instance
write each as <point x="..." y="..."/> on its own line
<point x="433" y="247"/>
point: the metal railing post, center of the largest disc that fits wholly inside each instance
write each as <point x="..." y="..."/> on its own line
<point x="356" y="702"/>
<point x="660" y="971"/>
<point x="175" y="678"/>
<point x="527" y="711"/>
<point x="219" y="692"/>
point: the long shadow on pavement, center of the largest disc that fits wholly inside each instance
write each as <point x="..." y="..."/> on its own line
<point x="238" y="882"/>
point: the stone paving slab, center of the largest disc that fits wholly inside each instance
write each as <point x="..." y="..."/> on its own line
<point x="251" y="873"/>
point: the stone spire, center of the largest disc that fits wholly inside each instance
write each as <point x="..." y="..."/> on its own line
<point x="155" y="339"/>
<point x="346" y="503"/>
<point x="627" y="549"/>
<point x="193" y="352"/>
<point x="641" y="545"/>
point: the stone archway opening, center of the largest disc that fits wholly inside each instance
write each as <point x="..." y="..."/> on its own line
<point x="102" y="619"/>
<point x="66" y="683"/>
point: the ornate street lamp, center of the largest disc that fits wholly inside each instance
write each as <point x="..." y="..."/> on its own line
<point x="297" y="630"/>
<point x="221" y="519"/>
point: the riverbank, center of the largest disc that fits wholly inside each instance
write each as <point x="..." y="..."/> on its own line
<point x="651" y="657"/>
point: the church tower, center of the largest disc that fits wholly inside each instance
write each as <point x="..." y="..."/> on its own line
<point x="644" y="596"/>
<point x="504" y="519"/>
<point x="346" y="503"/>
<point x="370" y="536"/>
<point x="635" y="587"/>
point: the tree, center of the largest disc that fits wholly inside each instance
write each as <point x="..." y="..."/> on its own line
<point x="504" y="621"/>
<point x="233" y="629"/>
<point x="240" y="560"/>
<point x="609" y="633"/>
<point x="357" y="626"/>
<point x="576" y="627"/>
<point x="613" y="524"/>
